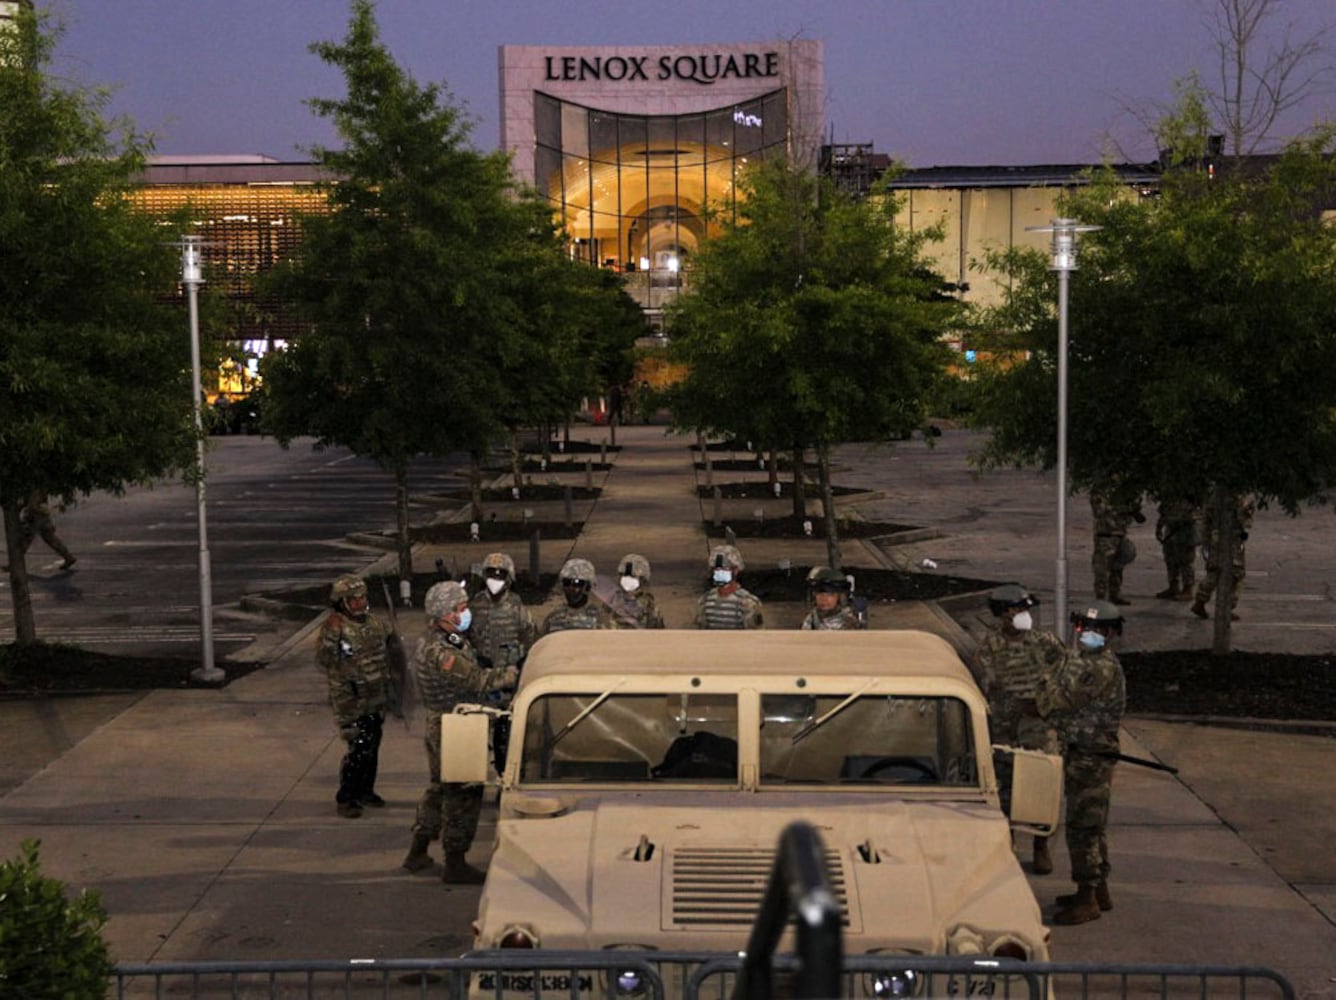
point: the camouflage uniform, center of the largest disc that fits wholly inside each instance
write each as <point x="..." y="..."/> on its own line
<point x="1176" y="531"/>
<point x="843" y="617"/>
<point x="635" y="610"/>
<point x="502" y="630"/>
<point x="1085" y="697"/>
<point x="591" y="614"/>
<point x="1243" y="519"/>
<point x="1112" y="518"/>
<point x="448" y="674"/>
<point x="35" y="521"/>
<point x="353" y="655"/>
<point x="738" y="609"/>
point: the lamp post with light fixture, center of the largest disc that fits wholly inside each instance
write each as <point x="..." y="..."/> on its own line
<point x="192" y="277"/>
<point x="1063" y="250"/>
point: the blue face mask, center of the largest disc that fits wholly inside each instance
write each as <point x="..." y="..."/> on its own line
<point x="465" y="620"/>
<point x="722" y="576"/>
<point x="1091" y="640"/>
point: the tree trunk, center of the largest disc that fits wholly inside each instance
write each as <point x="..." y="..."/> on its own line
<point x="25" y="628"/>
<point x="405" y="543"/>
<point x="828" y="509"/>
<point x="516" y="471"/>
<point x="547" y="442"/>
<point x="1226" y="530"/>
<point x="772" y="468"/>
<point x="475" y="485"/>
<point x="799" y="486"/>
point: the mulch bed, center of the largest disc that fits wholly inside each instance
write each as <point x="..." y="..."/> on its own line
<point x="758" y="490"/>
<point x="1242" y="684"/>
<point x="44" y="668"/>
<point x="557" y="465"/>
<point x="490" y="531"/>
<point x="792" y="527"/>
<point x="529" y="491"/>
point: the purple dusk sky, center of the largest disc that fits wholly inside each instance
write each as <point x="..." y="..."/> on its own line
<point x="929" y="81"/>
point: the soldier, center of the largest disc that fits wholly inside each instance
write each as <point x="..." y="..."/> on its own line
<point x="35" y="521"/>
<point x="829" y="592"/>
<point x="1243" y="518"/>
<point x="577" y="581"/>
<point x="1176" y="531"/>
<point x="1085" y="698"/>
<point x="448" y="673"/>
<point x="632" y="604"/>
<point x="1009" y="663"/>
<point x="727" y="604"/>
<point x="354" y="651"/>
<point x="1110" y="552"/>
<point x="503" y="630"/>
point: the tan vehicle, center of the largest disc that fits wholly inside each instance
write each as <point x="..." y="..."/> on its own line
<point x="650" y="775"/>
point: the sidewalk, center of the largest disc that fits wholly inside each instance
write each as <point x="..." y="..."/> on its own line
<point x="206" y="820"/>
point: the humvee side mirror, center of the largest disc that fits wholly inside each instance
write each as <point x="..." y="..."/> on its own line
<point x="1036" y="791"/>
<point x="464" y="757"/>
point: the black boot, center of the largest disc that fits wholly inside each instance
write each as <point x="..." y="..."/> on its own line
<point x="417" y="858"/>
<point x="1102" y="897"/>
<point x="460" y="872"/>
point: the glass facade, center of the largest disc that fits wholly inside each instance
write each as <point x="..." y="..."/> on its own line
<point x="639" y="193"/>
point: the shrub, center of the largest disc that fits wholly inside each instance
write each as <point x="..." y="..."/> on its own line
<point x="49" y="947"/>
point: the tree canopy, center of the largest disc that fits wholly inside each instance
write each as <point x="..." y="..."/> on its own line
<point x="811" y="320"/>
<point x="85" y="321"/>
<point x="1202" y="333"/>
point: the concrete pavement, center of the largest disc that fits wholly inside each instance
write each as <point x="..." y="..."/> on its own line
<point x="205" y="818"/>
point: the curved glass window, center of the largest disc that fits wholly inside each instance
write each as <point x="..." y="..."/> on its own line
<point x="634" y="192"/>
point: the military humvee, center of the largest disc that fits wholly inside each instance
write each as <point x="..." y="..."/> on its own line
<point x="650" y="774"/>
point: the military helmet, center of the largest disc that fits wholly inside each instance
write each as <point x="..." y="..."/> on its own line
<point x="826" y="579"/>
<point x="1099" y="616"/>
<point x="443" y="598"/>
<point x="730" y="557"/>
<point x="1010" y="595"/>
<point x="501" y="561"/>
<point x="347" y="586"/>
<point x="578" y="569"/>
<point x="634" y="565"/>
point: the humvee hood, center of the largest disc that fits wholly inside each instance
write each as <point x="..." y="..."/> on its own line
<point x="691" y="870"/>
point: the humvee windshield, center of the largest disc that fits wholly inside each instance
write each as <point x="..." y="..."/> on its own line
<point x="852" y="739"/>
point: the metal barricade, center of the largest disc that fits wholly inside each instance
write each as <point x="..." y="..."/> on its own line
<point x="639" y="975"/>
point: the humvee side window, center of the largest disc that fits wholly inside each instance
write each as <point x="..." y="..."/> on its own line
<point x="610" y="737"/>
<point x="867" y="739"/>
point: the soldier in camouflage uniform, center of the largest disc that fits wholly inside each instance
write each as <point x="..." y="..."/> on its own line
<point x="1085" y="698"/>
<point x="829" y="592"/>
<point x="503" y="630"/>
<point x="1113" y="513"/>
<point x="1009" y="663"/>
<point x="1176" y="531"/>
<point x="448" y="673"/>
<point x="727" y="604"/>
<point x="632" y="604"/>
<point x="353" y="652"/>
<point x="577" y="582"/>
<point x="1210" y="546"/>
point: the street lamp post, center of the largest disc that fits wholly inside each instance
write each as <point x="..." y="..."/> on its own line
<point x="1063" y="249"/>
<point x="192" y="277"/>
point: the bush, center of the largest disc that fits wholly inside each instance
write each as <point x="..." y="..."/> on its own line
<point x="49" y="947"/>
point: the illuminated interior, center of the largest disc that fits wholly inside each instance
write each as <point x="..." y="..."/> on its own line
<point x="639" y="193"/>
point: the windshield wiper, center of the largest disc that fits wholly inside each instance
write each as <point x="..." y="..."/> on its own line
<point x="816" y="724"/>
<point x="583" y="715"/>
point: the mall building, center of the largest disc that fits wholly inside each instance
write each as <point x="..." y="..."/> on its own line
<point x="639" y="150"/>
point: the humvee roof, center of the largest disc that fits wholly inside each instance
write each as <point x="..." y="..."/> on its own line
<point x="685" y="651"/>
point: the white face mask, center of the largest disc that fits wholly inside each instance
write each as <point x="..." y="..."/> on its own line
<point x="630" y="584"/>
<point x="495" y="587"/>
<point x="1091" y="640"/>
<point x="1023" y="621"/>
<point x="722" y="576"/>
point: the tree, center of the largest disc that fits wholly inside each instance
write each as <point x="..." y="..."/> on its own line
<point x="399" y="281"/>
<point x="83" y="322"/>
<point x="812" y="320"/>
<point x="1203" y="345"/>
<point x="1254" y="82"/>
